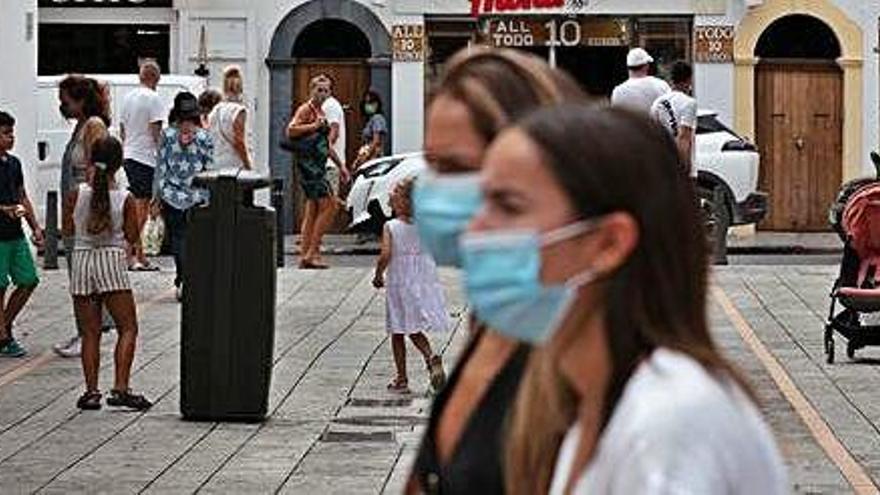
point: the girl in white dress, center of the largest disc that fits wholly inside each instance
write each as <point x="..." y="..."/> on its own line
<point x="414" y="298"/>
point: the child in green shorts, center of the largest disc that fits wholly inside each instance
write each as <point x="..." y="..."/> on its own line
<point x="16" y="262"/>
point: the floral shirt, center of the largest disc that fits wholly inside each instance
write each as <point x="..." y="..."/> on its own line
<point x="178" y="165"/>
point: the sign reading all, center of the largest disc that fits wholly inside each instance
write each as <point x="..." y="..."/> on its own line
<point x="713" y="44"/>
<point x="104" y="3"/>
<point x="409" y="42"/>
<point x="529" y="31"/>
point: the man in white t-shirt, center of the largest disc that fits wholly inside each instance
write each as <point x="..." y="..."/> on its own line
<point x="140" y="126"/>
<point x="677" y="112"/>
<point x="641" y="90"/>
<point x="335" y="115"/>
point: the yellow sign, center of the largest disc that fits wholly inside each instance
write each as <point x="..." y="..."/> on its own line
<point x="409" y="42"/>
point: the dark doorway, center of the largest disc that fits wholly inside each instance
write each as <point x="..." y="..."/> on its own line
<point x="340" y="50"/>
<point x="798" y="36"/>
<point x="597" y="69"/>
<point x="101" y="48"/>
<point x="332" y="39"/>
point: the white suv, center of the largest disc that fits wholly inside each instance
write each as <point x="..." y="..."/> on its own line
<point x="727" y="168"/>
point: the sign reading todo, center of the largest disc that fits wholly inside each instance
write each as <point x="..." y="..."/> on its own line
<point x="713" y="44"/>
<point x="521" y="32"/>
<point x="409" y="42"/>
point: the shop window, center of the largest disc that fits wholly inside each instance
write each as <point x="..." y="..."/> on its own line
<point x="798" y="36"/>
<point x="668" y="40"/>
<point x="101" y="48"/>
<point x="446" y="37"/>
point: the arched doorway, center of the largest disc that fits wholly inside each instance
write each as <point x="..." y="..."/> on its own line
<point x="799" y="120"/>
<point x="342" y="38"/>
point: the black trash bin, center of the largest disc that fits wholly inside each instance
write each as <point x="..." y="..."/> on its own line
<point x="228" y="320"/>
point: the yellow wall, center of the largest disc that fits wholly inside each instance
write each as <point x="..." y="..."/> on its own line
<point x="849" y="34"/>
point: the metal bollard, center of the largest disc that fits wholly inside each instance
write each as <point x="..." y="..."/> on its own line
<point x="278" y="205"/>
<point x="50" y="252"/>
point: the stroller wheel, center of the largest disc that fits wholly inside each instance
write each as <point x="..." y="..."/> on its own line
<point x="829" y="350"/>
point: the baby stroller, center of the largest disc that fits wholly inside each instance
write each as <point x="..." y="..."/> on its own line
<point x="855" y="216"/>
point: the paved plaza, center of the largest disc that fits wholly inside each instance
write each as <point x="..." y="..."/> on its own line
<point x="333" y="426"/>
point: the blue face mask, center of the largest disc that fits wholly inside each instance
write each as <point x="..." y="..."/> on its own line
<point x="502" y="272"/>
<point x="443" y="205"/>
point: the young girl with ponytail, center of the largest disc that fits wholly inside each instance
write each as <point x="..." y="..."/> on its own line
<point x="101" y="219"/>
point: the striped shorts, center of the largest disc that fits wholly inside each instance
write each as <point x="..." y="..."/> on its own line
<point x="98" y="271"/>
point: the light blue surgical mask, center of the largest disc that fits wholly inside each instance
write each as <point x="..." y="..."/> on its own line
<point x="502" y="272"/>
<point x="443" y="205"/>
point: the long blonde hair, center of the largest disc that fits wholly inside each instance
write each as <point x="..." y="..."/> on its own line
<point x="233" y="83"/>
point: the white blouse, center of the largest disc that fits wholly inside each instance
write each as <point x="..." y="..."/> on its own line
<point x="677" y="430"/>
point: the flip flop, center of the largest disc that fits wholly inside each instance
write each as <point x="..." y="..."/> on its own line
<point x="311" y="265"/>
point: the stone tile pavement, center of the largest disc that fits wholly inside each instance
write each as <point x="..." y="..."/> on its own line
<point x="333" y="427"/>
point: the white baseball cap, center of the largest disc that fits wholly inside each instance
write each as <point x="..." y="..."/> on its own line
<point x="638" y="57"/>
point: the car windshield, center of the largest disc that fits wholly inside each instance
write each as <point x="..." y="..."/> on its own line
<point x="707" y="124"/>
<point x="380" y="168"/>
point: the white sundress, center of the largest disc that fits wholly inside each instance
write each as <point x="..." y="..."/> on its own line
<point x="414" y="299"/>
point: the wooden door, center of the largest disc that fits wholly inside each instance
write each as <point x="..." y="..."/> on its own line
<point x="351" y="79"/>
<point x="799" y="132"/>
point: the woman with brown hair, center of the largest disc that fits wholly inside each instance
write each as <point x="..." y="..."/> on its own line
<point x="482" y="92"/>
<point x="572" y="252"/>
<point x="102" y="220"/>
<point x="87" y="101"/>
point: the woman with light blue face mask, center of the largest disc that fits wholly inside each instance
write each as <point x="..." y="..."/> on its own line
<point x="589" y="246"/>
<point x="482" y="92"/>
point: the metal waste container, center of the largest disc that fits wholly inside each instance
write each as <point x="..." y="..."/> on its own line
<point x="228" y="312"/>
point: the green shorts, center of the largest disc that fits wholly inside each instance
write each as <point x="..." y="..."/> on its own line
<point x="17" y="264"/>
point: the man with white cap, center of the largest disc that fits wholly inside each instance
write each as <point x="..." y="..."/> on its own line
<point x="641" y="90"/>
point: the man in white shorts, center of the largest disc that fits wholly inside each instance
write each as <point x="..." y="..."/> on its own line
<point x="677" y="112"/>
<point x="335" y="115"/>
<point x="641" y="90"/>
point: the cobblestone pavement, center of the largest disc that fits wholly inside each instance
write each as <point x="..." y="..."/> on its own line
<point x="333" y="426"/>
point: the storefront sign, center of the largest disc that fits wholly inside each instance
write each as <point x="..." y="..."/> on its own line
<point x="530" y="31"/>
<point x="480" y="7"/>
<point x="409" y="42"/>
<point x="713" y="44"/>
<point x="105" y="3"/>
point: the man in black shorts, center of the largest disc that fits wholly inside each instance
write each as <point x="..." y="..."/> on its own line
<point x="140" y="127"/>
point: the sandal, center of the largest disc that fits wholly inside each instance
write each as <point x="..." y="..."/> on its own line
<point x="438" y="375"/>
<point x="90" y="401"/>
<point x="127" y="399"/>
<point x="399" y="385"/>
<point x="312" y="265"/>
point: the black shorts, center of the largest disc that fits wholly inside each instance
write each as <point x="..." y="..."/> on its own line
<point x="140" y="179"/>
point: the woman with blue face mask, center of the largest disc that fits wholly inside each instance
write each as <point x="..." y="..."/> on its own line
<point x="589" y="246"/>
<point x="482" y="92"/>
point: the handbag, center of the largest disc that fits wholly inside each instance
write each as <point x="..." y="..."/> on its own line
<point x="153" y="235"/>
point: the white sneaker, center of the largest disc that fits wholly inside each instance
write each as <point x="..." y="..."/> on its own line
<point x="69" y="349"/>
<point x="179" y="293"/>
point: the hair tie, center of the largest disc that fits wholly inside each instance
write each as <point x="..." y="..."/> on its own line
<point x="101" y="166"/>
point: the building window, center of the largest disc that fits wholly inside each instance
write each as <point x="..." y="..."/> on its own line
<point x="101" y="48"/>
<point x="446" y="36"/>
<point x="668" y="40"/>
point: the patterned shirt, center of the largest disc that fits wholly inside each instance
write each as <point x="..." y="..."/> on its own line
<point x="178" y="165"/>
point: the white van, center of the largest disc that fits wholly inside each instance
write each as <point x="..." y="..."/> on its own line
<point x="53" y="131"/>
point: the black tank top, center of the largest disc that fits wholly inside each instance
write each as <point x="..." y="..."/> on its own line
<point x="475" y="466"/>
